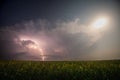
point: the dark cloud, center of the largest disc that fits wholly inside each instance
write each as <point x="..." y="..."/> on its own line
<point x="27" y="42"/>
<point x="8" y="47"/>
<point x="65" y="41"/>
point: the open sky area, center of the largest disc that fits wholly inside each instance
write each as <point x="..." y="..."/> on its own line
<point x="59" y="30"/>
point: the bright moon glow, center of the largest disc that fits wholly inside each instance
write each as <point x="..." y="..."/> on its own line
<point x="99" y="23"/>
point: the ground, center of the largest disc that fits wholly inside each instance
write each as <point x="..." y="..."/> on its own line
<point x="60" y="70"/>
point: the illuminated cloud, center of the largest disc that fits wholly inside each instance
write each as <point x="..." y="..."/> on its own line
<point x="39" y="40"/>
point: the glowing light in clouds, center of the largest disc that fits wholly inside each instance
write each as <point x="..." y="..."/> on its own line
<point x="99" y="23"/>
<point x="35" y="46"/>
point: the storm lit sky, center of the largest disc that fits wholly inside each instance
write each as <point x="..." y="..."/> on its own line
<point x="59" y="30"/>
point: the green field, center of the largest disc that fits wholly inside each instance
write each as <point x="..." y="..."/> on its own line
<point x="60" y="70"/>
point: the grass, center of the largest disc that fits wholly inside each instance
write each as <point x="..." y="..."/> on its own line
<point x="60" y="70"/>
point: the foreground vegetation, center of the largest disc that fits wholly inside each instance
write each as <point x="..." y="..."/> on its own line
<point x="63" y="70"/>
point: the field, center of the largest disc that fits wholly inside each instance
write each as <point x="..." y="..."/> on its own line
<point x="60" y="70"/>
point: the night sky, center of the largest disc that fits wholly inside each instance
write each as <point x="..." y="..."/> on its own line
<point x="59" y="29"/>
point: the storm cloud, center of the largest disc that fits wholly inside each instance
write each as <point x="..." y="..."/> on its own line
<point x="61" y="40"/>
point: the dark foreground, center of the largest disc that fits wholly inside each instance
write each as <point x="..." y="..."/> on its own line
<point x="80" y="70"/>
